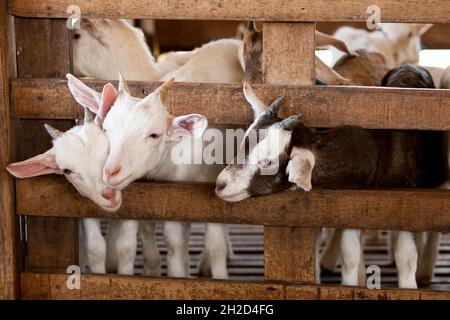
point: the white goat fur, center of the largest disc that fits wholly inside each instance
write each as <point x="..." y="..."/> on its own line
<point x="83" y="150"/>
<point x="398" y="42"/>
<point x="214" y="62"/>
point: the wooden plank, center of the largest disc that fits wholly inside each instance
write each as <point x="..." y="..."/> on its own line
<point x="329" y="292"/>
<point x="42" y="47"/>
<point x="123" y="287"/>
<point x="56" y="236"/>
<point x="321" y="106"/>
<point x="285" y="62"/>
<point x="268" y="10"/>
<point x="8" y="221"/>
<point x="53" y="286"/>
<point x="43" y="50"/>
<point x="359" y="209"/>
<point x="289" y="253"/>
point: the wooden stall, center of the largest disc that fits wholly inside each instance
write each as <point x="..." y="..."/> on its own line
<point x="34" y="57"/>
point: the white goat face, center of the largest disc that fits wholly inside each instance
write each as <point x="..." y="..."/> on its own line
<point x="99" y="44"/>
<point x="139" y="132"/>
<point x="136" y="130"/>
<point x="79" y="154"/>
<point x="263" y="169"/>
<point x="405" y="40"/>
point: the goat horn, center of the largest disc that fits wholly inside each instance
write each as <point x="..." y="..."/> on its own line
<point x="290" y="123"/>
<point x="275" y="106"/>
<point x="87" y="116"/>
<point x="164" y="88"/>
<point x="54" y="133"/>
<point x="123" y="87"/>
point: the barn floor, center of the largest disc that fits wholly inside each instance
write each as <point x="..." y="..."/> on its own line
<point x="248" y="260"/>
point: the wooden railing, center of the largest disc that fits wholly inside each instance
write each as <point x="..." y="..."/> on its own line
<point x="39" y="92"/>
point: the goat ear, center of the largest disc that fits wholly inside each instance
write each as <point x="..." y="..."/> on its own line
<point x="257" y="105"/>
<point x="323" y="40"/>
<point x="109" y="95"/>
<point x="87" y="97"/>
<point x="422" y="28"/>
<point x="300" y="168"/>
<point x="329" y="76"/>
<point x="36" y="166"/>
<point x="193" y="125"/>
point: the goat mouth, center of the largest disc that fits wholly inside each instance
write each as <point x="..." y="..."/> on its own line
<point x="113" y="207"/>
<point x="235" y="197"/>
<point x="121" y="184"/>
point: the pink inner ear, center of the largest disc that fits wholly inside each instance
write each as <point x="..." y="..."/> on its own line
<point x="187" y="124"/>
<point x="84" y="95"/>
<point x="30" y="170"/>
<point x="109" y="95"/>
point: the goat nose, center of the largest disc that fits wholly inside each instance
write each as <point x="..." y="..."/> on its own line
<point x="108" y="194"/>
<point x="220" y="186"/>
<point x="113" y="171"/>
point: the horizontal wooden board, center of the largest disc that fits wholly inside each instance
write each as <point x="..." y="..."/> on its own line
<point x="53" y="286"/>
<point x="412" y="209"/>
<point x="268" y="10"/>
<point x="321" y="106"/>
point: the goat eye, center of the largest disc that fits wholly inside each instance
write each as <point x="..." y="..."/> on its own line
<point x="154" y="136"/>
<point x="77" y="36"/>
<point x="67" y="171"/>
<point x="265" y="163"/>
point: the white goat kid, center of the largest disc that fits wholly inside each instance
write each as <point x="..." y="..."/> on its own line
<point x="124" y="230"/>
<point x="79" y="154"/>
<point x="398" y="42"/>
<point x="142" y="134"/>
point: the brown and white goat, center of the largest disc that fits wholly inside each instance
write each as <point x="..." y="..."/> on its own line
<point x="343" y="157"/>
<point x="413" y="76"/>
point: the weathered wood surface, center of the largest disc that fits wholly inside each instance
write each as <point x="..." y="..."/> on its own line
<point x="268" y="10"/>
<point x="285" y="61"/>
<point x="42" y="47"/>
<point x="52" y="243"/>
<point x="43" y="50"/>
<point x="53" y="286"/>
<point x="321" y="106"/>
<point x="289" y="253"/>
<point x="8" y="221"/>
<point x="363" y="209"/>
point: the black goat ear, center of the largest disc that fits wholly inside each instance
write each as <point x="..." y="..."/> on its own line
<point x="300" y="167"/>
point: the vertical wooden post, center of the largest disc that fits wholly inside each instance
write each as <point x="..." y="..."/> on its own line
<point x="9" y="277"/>
<point x="289" y="253"/>
<point x="43" y="50"/>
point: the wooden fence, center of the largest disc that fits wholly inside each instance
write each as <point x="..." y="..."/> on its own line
<point x="34" y="57"/>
